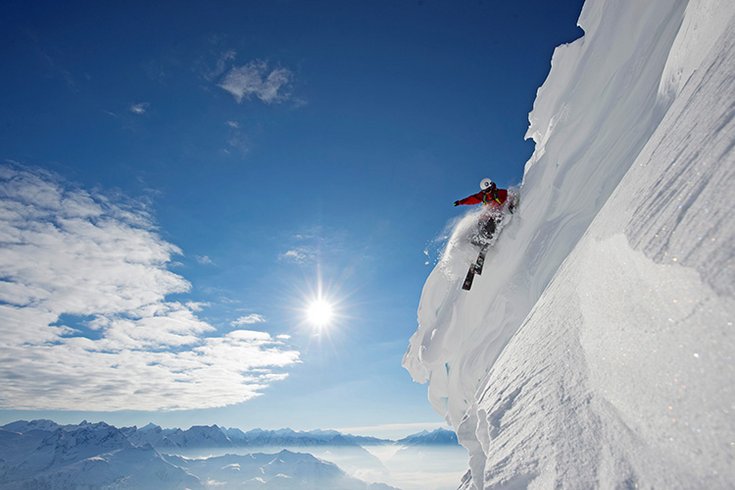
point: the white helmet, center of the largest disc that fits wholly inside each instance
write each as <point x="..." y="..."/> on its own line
<point x="486" y="184"/>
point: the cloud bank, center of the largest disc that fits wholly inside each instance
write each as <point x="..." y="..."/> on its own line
<point x="85" y="317"/>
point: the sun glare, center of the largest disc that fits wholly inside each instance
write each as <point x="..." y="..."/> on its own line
<point x="320" y="313"/>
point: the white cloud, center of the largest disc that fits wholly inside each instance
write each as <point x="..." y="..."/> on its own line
<point x="294" y="255"/>
<point x="140" y="108"/>
<point x="256" y="79"/>
<point x="233" y="124"/>
<point x="220" y="66"/>
<point x="85" y="318"/>
<point x="283" y="337"/>
<point x="196" y="305"/>
<point x="249" y="320"/>
<point x="204" y="260"/>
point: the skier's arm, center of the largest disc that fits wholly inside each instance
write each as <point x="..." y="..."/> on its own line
<point x="473" y="199"/>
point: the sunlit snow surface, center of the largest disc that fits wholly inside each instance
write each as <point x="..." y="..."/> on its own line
<point x="596" y="350"/>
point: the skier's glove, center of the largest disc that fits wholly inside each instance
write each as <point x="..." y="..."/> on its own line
<point x="456" y="203"/>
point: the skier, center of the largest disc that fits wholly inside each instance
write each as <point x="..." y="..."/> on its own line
<point x="492" y="197"/>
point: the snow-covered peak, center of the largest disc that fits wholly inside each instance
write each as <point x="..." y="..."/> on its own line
<point x="204" y="436"/>
<point x="100" y="456"/>
<point x="324" y="433"/>
<point x="289" y="437"/>
<point x="435" y="437"/>
<point x="200" y="436"/>
<point x="234" y="435"/>
<point x="86" y="439"/>
<point x="282" y="432"/>
<point x="25" y="425"/>
<point x="150" y="426"/>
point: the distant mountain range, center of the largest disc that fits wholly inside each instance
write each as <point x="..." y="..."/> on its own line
<point x="43" y="454"/>
<point x="39" y="455"/>
<point x="213" y="436"/>
<point x="438" y="437"/>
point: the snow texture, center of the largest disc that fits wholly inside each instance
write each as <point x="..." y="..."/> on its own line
<point x="596" y="350"/>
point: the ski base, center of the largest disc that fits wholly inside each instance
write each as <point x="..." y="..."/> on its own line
<point x="467" y="284"/>
<point x="480" y="263"/>
<point x="475" y="269"/>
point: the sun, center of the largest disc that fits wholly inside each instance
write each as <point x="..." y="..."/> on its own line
<point x="320" y="313"/>
<point x="322" y="308"/>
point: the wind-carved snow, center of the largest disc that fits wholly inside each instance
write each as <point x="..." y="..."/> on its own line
<point x="596" y="349"/>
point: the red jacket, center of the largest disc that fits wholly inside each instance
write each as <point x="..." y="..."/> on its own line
<point x="493" y="198"/>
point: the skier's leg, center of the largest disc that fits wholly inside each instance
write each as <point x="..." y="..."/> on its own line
<point x="488" y="230"/>
<point x="478" y="237"/>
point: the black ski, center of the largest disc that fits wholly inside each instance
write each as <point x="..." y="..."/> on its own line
<point x="475" y="268"/>
<point x="467" y="284"/>
<point x="481" y="260"/>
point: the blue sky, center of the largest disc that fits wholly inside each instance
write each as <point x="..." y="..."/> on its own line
<point x="262" y="149"/>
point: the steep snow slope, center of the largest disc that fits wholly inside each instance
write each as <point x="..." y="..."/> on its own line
<point x="597" y="348"/>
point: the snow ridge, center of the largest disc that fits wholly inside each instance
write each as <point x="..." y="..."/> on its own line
<point x="595" y="351"/>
